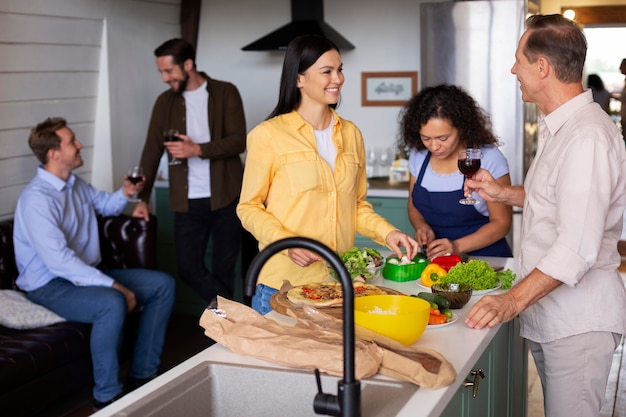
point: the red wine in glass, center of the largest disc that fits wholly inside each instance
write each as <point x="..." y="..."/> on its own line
<point x="135" y="176"/>
<point x="469" y="167"/>
<point x="469" y="164"/>
<point x="169" y="135"/>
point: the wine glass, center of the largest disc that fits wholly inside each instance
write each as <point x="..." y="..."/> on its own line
<point x="469" y="163"/>
<point x="370" y="163"/>
<point x="169" y="135"/>
<point x="385" y="160"/>
<point x="135" y="175"/>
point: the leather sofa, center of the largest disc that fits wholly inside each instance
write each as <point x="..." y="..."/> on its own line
<point x="40" y="366"/>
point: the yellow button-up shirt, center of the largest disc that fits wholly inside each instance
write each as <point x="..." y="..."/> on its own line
<point x="288" y="190"/>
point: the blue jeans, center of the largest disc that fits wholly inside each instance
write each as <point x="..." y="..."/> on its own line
<point x="192" y="230"/>
<point x="105" y="308"/>
<point x="261" y="299"/>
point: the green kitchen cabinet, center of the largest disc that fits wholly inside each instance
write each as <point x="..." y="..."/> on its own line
<point x="394" y="209"/>
<point x="501" y="377"/>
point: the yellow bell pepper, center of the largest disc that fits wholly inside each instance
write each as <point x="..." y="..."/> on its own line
<point x="431" y="274"/>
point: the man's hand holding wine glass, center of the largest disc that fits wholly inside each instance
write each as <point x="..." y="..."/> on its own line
<point x="133" y="183"/>
<point x="184" y="148"/>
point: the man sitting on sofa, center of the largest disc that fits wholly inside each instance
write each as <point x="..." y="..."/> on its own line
<point x="57" y="250"/>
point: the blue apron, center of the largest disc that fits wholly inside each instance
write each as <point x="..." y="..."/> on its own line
<point x="451" y="220"/>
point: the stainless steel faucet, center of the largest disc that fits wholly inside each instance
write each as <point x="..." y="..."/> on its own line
<point x="347" y="402"/>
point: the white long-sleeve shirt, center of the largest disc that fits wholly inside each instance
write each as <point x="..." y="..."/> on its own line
<point x="575" y="199"/>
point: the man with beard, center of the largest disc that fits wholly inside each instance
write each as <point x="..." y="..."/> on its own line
<point x="204" y="188"/>
<point x="57" y="250"/>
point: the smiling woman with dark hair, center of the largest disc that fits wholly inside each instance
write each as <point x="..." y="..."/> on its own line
<point x="305" y="173"/>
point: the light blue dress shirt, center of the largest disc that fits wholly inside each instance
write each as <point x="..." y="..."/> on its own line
<point x="56" y="230"/>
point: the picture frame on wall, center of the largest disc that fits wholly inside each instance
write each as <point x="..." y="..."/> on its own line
<point x="388" y="88"/>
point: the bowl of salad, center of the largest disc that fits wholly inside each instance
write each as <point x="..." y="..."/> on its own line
<point x="363" y="264"/>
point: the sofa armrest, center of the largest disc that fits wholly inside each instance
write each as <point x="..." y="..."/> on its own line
<point x="8" y="269"/>
<point x="128" y="242"/>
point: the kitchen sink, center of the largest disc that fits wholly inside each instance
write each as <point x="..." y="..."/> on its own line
<point x="220" y="389"/>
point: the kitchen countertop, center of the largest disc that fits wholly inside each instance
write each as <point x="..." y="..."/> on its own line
<point x="460" y="345"/>
<point x="381" y="187"/>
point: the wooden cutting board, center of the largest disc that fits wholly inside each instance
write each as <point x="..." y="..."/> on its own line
<point x="281" y="304"/>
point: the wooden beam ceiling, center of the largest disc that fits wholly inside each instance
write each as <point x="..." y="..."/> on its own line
<point x="587" y="15"/>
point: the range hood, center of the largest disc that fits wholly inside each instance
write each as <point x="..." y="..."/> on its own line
<point x="307" y="18"/>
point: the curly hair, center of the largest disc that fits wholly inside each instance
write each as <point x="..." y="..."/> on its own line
<point x="447" y="102"/>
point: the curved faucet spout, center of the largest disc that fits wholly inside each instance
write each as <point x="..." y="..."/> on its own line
<point x="349" y="387"/>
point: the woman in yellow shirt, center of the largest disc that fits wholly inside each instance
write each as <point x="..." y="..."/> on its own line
<point x="305" y="173"/>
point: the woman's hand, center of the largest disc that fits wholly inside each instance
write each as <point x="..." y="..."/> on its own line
<point x="440" y="247"/>
<point x="303" y="257"/>
<point x="424" y="235"/>
<point x="396" y="239"/>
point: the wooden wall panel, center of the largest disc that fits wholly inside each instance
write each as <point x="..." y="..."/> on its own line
<point x="50" y="29"/>
<point x="50" y="86"/>
<point x="19" y="115"/>
<point x="46" y="58"/>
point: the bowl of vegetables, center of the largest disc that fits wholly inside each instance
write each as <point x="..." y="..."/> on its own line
<point x="363" y="264"/>
<point x="457" y="294"/>
<point x="404" y="269"/>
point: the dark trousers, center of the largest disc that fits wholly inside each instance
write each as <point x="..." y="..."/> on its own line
<point x="192" y="231"/>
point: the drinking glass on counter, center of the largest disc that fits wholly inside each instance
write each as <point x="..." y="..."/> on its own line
<point x="469" y="164"/>
<point x="135" y="175"/>
<point x="169" y="135"/>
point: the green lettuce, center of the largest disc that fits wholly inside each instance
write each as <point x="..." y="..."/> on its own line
<point x="359" y="262"/>
<point x="479" y="274"/>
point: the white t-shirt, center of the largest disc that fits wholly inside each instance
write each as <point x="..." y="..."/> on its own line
<point x="197" y="115"/>
<point x="325" y="146"/>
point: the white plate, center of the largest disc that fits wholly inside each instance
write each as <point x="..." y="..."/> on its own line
<point x="475" y="292"/>
<point x="454" y="318"/>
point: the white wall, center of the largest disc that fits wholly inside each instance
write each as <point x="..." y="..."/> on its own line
<point x="385" y="35"/>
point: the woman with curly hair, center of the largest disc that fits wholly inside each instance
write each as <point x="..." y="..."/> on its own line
<point x="435" y="125"/>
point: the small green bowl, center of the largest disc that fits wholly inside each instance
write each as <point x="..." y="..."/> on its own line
<point x="404" y="273"/>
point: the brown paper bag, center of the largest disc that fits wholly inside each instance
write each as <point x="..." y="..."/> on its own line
<point x="246" y="332"/>
<point x="424" y="367"/>
<point x="316" y="342"/>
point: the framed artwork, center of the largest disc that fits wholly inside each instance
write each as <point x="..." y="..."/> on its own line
<point x="387" y="88"/>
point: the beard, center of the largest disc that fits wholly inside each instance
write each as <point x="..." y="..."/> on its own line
<point x="182" y="83"/>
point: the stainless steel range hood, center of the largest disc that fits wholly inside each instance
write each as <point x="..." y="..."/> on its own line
<point x="307" y="18"/>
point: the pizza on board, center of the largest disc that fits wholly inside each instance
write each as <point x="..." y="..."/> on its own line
<point x="328" y="294"/>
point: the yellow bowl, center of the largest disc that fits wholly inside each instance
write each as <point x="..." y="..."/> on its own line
<point x="398" y="317"/>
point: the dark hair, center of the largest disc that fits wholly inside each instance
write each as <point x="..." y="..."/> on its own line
<point x="447" y="102"/>
<point x="561" y="41"/>
<point x="302" y="52"/>
<point x="43" y="137"/>
<point x="179" y="49"/>
<point x="595" y="82"/>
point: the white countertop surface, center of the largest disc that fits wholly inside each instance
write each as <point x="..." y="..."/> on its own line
<point x="460" y="345"/>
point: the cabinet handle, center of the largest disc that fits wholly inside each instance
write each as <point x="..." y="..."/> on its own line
<point x="477" y="375"/>
<point x="376" y="203"/>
